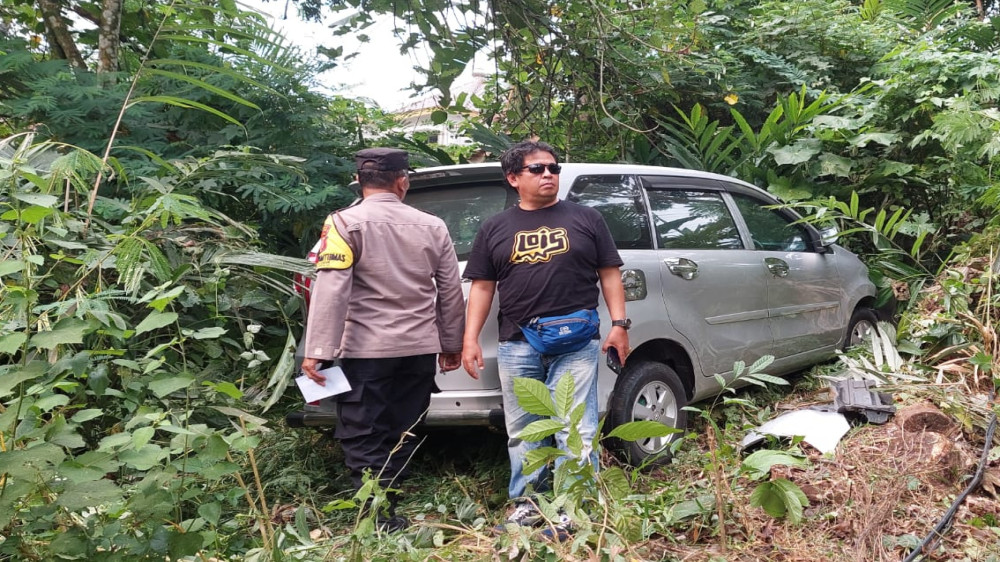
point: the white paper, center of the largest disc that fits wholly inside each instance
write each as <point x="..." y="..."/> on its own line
<point x="336" y="383"/>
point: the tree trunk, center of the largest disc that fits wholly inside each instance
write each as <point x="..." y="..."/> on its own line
<point x="108" y="40"/>
<point x="61" y="43"/>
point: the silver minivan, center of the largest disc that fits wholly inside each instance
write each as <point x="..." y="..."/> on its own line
<point x="713" y="275"/>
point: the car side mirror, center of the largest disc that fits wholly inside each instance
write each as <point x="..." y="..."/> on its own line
<point x="829" y="234"/>
<point x="826" y="236"/>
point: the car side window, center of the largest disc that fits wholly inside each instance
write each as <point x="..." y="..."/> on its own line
<point x="619" y="200"/>
<point x="692" y="220"/>
<point x="463" y="209"/>
<point x="770" y="229"/>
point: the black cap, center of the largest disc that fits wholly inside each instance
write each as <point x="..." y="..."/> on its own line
<point x="383" y="159"/>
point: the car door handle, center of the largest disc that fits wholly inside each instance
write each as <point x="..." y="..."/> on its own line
<point x="777" y="267"/>
<point x="682" y="267"/>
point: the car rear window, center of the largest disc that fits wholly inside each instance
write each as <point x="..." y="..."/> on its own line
<point x="463" y="208"/>
<point x="619" y="200"/>
<point x="768" y="228"/>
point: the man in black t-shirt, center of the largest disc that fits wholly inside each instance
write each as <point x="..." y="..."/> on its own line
<point x="545" y="257"/>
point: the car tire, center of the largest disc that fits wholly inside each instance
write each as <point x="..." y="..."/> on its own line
<point x="863" y="321"/>
<point x="647" y="390"/>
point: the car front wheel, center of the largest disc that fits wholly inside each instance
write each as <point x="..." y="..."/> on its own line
<point x="648" y="391"/>
<point x="860" y="328"/>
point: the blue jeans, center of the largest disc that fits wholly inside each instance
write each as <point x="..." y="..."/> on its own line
<point x="519" y="359"/>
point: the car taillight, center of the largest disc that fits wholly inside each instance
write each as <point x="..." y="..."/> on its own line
<point x="302" y="284"/>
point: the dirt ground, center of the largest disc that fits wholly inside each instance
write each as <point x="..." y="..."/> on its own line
<point x="884" y="490"/>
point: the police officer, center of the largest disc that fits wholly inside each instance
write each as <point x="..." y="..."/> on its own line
<point x="386" y="299"/>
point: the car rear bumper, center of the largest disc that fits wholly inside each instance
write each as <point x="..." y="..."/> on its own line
<point x="490" y="418"/>
<point x="448" y="408"/>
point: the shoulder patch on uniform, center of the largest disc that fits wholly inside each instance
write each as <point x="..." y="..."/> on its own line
<point x="334" y="252"/>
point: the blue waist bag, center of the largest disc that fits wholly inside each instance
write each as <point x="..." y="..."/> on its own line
<point x="554" y="335"/>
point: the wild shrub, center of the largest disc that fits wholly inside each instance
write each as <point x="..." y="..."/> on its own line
<point x="130" y="348"/>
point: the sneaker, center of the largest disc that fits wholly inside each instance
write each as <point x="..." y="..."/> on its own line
<point x="392" y="524"/>
<point x="561" y="530"/>
<point x="525" y="514"/>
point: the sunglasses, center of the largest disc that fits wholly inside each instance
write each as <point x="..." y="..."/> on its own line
<point x="536" y="169"/>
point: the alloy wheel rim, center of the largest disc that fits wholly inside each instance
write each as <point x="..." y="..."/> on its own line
<point x="655" y="402"/>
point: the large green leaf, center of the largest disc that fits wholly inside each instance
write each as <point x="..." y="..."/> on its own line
<point x="834" y="165"/>
<point x="11" y="343"/>
<point x="564" y="395"/>
<point x="209" y="333"/>
<point x="616" y="482"/>
<point x="211" y="512"/>
<point x="34" y="214"/>
<point x="38" y="199"/>
<point x="537" y="458"/>
<point x="58" y="432"/>
<point x="19" y="461"/>
<point x="142" y="436"/>
<point x="165" y="386"/>
<point x="88" y="467"/>
<point x="145" y="458"/>
<point x="885" y="139"/>
<point x="12" y="377"/>
<point x="155" y="321"/>
<point x="766" y="495"/>
<point x="216" y="470"/>
<point x="66" y="331"/>
<point x="795" y="500"/>
<point x="79" y="496"/>
<point x="702" y="505"/>
<point x="574" y="442"/>
<point x="540" y="429"/>
<point x="644" y="429"/>
<point x="11" y="266"/>
<point x="534" y="397"/>
<point x="759" y="463"/>
<point x="800" y="151"/>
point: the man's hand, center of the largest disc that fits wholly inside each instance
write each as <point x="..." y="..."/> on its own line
<point x="309" y="365"/>
<point x="449" y="361"/>
<point x="618" y="339"/>
<point x="472" y="359"/>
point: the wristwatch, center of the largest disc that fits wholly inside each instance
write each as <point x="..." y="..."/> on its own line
<point x="624" y="323"/>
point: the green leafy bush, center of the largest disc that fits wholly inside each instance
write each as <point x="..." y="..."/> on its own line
<point x="132" y="349"/>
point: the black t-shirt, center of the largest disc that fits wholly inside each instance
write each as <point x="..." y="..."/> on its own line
<point x="544" y="261"/>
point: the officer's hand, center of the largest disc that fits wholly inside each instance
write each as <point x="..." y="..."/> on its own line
<point x="309" y="365"/>
<point x="449" y="361"/>
<point x="472" y="359"/>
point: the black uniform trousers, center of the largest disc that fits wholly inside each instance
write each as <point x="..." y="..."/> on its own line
<point x="387" y="397"/>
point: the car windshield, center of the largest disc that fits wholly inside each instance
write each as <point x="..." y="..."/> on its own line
<point x="462" y="208"/>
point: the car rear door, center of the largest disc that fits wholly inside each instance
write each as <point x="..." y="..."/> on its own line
<point x="714" y="290"/>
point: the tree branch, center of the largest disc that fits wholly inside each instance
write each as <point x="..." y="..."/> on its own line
<point x="61" y="41"/>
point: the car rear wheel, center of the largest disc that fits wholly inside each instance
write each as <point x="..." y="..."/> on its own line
<point x="860" y="328"/>
<point x="648" y="391"/>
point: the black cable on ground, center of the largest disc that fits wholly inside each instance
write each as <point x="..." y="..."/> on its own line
<point x="945" y="522"/>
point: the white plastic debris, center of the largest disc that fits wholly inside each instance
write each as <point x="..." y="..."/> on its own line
<point x="822" y="430"/>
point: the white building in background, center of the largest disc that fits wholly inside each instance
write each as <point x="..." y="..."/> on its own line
<point x="415" y="117"/>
